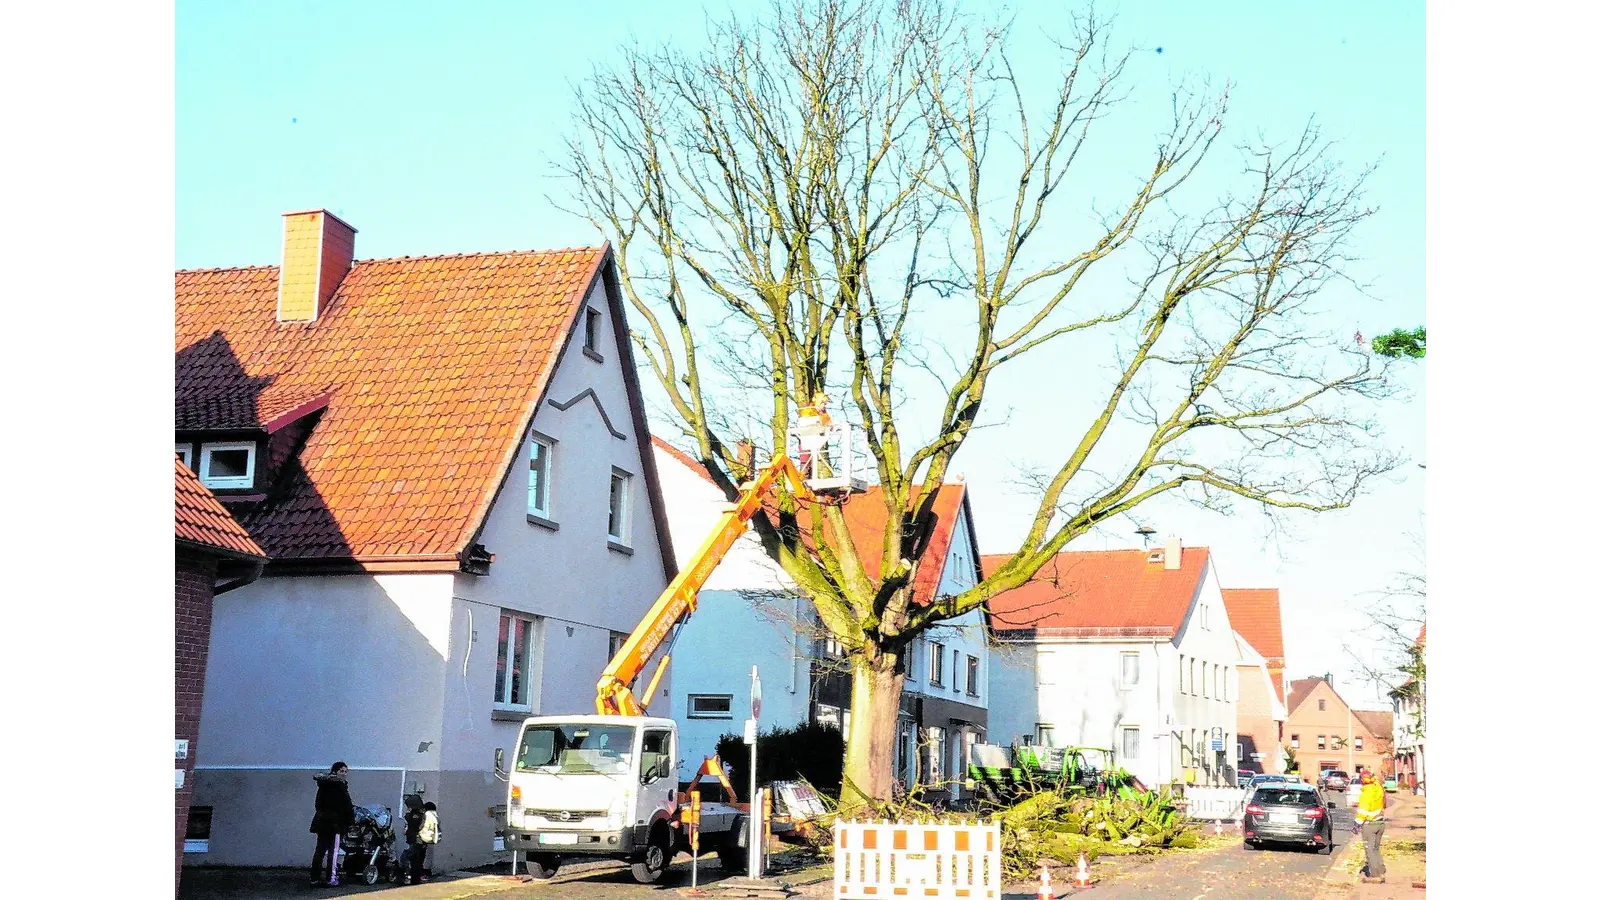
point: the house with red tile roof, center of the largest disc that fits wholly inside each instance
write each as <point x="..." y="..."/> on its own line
<point x="751" y="614"/>
<point x="213" y="555"/>
<point x="1127" y="650"/>
<point x="1325" y="732"/>
<point x="446" y="462"/>
<point x="1258" y="626"/>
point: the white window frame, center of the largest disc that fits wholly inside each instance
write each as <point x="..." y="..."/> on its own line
<point x="530" y="647"/>
<point x="1122" y="670"/>
<point x="935" y="664"/>
<point x="186" y="451"/>
<point x="973" y="674"/>
<point x="1205" y="680"/>
<point x="1294" y="742"/>
<point x="540" y="453"/>
<point x="624" y="516"/>
<point x="245" y="481"/>
<point x="713" y="714"/>
<point x="909" y="661"/>
<point x="936" y="743"/>
<point x="1122" y="744"/>
<point x="1359" y="742"/>
<point x="1181" y="683"/>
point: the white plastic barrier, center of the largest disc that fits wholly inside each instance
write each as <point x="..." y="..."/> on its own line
<point x="911" y="859"/>
<point x="1215" y="803"/>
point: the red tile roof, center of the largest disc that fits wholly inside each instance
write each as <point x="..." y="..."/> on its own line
<point x="1100" y="592"/>
<point x="865" y="516"/>
<point x="1422" y="636"/>
<point x="1300" y="689"/>
<point x="1254" y="614"/>
<point x="201" y="520"/>
<point x="435" y="366"/>
<point x="1379" y="723"/>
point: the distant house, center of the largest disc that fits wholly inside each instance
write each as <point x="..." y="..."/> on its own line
<point x="446" y="461"/>
<point x="751" y="614"/>
<point x="213" y="555"/>
<point x="1410" y="718"/>
<point x="1129" y="650"/>
<point x="1258" y="624"/>
<point x="1326" y="733"/>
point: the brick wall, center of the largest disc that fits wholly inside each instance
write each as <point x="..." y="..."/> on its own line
<point x="196" y="576"/>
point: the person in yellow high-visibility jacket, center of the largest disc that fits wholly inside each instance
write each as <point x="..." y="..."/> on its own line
<point x="1369" y="821"/>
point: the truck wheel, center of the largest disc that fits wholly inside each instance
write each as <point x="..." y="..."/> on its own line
<point x="656" y="857"/>
<point x="542" y="865"/>
<point x="735" y="860"/>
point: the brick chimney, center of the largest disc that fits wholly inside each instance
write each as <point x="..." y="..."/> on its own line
<point x="1174" y="555"/>
<point x="318" y="248"/>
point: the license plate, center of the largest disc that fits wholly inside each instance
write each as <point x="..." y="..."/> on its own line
<point x="1278" y="818"/>
<point x="558" y="839"/>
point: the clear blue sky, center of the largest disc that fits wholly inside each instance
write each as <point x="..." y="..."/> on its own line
<point x="430" y="127"/>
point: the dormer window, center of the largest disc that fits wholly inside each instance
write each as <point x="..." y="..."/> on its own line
<point x="186" y="453"/>
<point x="228" y="465"/>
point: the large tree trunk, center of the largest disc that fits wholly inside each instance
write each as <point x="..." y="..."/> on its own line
<point x="874" y="709"/>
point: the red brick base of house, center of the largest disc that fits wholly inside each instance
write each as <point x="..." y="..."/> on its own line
<point x="196" y="576"/>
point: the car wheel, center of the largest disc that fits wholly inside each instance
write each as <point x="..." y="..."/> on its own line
<point x="542" y="865"/>
<point x="649" y="869"/>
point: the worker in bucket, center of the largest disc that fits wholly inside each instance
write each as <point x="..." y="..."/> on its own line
<point x="1369" y="824"/>
<point x="812" y="430"/>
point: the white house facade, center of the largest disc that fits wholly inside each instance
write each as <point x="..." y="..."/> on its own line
<point x="402" y="649"/>
<point x="1129" y="651"/>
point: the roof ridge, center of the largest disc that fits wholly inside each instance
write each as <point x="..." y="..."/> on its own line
<point x="531" y="252"/>
<point x="222" y="269"/>
<point x="436" y="256"/>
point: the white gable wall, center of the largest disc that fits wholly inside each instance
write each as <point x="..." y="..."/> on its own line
<point x="962" y="637"/>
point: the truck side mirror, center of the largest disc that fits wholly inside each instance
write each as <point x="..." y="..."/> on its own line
<point x="500" y="761"/>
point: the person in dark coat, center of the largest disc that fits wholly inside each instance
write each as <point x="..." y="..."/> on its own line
<point x="415" y="851"/>
<point x="334" y="816"/>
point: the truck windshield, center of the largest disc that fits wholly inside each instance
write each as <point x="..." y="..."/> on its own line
<point x="576" y="749"/>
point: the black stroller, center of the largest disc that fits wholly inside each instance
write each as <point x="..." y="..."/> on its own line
<point x="369" y="845"/>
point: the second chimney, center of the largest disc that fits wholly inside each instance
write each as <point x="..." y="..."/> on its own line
<point x="318" y="248"/>
<point x="1174" y="555"/>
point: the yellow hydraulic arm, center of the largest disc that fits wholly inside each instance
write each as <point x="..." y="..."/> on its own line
<point x="614" y="692"/>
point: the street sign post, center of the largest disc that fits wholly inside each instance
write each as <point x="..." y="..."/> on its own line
<point x="753" y="733"/>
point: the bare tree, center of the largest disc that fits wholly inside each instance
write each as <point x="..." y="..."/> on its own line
<point x="794" y="204"/>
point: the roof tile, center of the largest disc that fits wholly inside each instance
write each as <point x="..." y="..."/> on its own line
<point x="200" y="518"/>
<point x="477" y="335"/>
<point x="1092" y="592"/>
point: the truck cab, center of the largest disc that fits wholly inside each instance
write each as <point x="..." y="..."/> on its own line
<point x="593" y="786"/>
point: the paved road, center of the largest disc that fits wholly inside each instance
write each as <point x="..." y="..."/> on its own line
<point x="1233" y="873"/>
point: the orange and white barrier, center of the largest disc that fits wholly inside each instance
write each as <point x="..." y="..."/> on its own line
<point x="926" y="861"/>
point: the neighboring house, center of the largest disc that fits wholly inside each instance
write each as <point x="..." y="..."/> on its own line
<point x="446" y="462"/>
<point x="751" y="614"/>
<point x="1410" y="720"/>
<point x="1326" y="733"/>
<point x="1261" y="712"/>
<point x="1129" y="650"/>
<point x="1258" y="622"/>
<point x="213" y="554"/>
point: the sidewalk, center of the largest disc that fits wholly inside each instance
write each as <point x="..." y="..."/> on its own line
<point x="1404" y="856"/>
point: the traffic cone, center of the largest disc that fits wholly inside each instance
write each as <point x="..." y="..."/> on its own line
<point x="1046" y="892"/>
<point x="1082" y="878"/>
